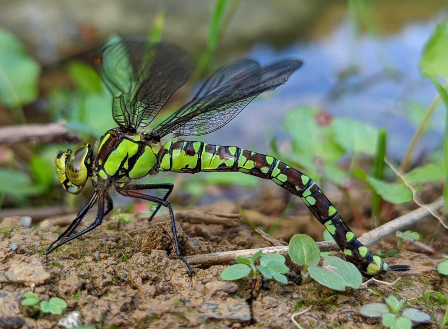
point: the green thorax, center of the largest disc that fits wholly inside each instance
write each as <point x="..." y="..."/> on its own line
<point x="123" y="155"/>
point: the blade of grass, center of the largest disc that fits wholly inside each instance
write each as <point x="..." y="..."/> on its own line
<point x="418" y="133"/>
<point x="378" y="174"/>
<point x="159" y="22"/>
<point x="444" y="96"/>
<point x="219" y="22"/>
<point x="274" y="226"/>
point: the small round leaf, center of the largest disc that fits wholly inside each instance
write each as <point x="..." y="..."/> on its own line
<point x="264" y="271"/>
<point x="30" y="301"/>
<point x="277" y="267"/>
<point x="235" y="272"/>
<point x="403" y="323"/>
<point x="374" y="310"/>
<point x="389" y="320"/>
<point x="416" y="315"/>
<point x="243" y="260"/>
<point x="45" y="306"/>
<point x="442" y="268"/>
<point x="336" y="274"/>
<point x="303" y="250"/>
<point x="280" y="278"/>
<point x="58" y="302"/>
<point x="256" y="256"/>
<point x="272" y="258"/>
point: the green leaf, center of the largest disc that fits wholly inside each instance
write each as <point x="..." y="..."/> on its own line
<point x="19" y="72"/>
<point x="327" y="236"/>
<point x="31" y="299"/>
<point x="425" y="174"/>
<point x="403" y="323"/>
<point x="272" y="258"/>
<point x="264" y="271"/>
<point x="42" y="171"/>
<point x="374" y="310"/>
<point x="23" y="187"/>
<point x="354" y="136"/>
<point x="336" y="274"/>
<point x="389" y="320"/>
<point x="243" y="260"/>
<point x="435" y="53"/>
<point x="393" y="192"/>
<point x="408" y="235"/>
<point x="56" y="301"/>
<point x="303" y="250"/>
<point x="235" y="272"/>
<point x="442" y="268"/>
<point x="395" y="304"/>
<point x="256" y="256"/>
<point x="277" y="267"/>
<point x="444" y="96"/>
<point x="312" y="136"/>
<point x="416" y="315"/>
<point x="85" y="77"/>
<point x="280" y="278"/>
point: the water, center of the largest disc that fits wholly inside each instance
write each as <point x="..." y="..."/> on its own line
<point x="382" y="101"/>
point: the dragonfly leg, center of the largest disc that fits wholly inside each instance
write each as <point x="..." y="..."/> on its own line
<point x="166" y="186"/>
<point x="98" y="220"/>
<point x="131" y="191"/>
<point x="74" y="224"/>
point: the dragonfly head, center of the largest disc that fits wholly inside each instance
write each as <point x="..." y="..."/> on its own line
<point x="73" y="167"/>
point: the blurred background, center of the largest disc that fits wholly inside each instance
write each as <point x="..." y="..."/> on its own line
<point x="360" y="74"/>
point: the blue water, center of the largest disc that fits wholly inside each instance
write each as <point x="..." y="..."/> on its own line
<point x="383" y="103"/>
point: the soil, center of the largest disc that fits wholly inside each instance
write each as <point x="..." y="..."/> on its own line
<point x="128" y="276"/>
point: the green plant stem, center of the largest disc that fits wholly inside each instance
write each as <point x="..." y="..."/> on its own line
<point x="445" y="318"/>
<point x="378" y="174"/>
<point x="274" y="226"/>
<point x="418" y="133"/>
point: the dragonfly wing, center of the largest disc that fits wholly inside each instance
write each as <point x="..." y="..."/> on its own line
<point x="141" y="77"/>
<point x="223" y="96"/>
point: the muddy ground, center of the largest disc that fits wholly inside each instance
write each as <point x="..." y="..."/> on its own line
<point x="115" y="279"/>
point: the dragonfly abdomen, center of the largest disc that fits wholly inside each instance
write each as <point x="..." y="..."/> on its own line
<point x="193" y="157"/>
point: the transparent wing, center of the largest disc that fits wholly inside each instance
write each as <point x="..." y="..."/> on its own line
<point x="141" y="77"/>
<point x="225" y="94"/>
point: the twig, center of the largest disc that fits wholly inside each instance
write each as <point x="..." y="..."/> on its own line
<point x="367" y="239"/>
<point x="381" y="282"/>
<point x="197" y="217"/>
<point x="414" y="192"/>
<point x="37" y="134"/>
<point x="270" y="239"/>
<point x="38" y="214"/>
<point x="299" y="313"/>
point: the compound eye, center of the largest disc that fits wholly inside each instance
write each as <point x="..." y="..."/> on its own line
<point x="76" y="170"/>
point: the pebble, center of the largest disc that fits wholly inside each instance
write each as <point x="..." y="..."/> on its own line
<point x="14" y="221"/>
<point x="25" y="221"/>
<point x="14" y="246"/>
<point x="124" y="276"/>
<point x="213" y="287"/>
<point x="27" y="273"/>
<point x="72" y="320"/>
<point x="96" y="255"/>
<point x="11" y="322"/>
<point x="234" y="310"/>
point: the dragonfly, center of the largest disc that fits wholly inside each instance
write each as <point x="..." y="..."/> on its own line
<point x="142" y="77"/>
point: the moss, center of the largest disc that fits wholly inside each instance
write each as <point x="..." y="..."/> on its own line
<point x="76" y="295"/>
<point x="6" y="231"/>
<point x="424" y="281"/>
<point x="57" y="264"/>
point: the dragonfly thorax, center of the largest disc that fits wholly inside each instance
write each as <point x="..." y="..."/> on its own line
<point x="73" y="167"/>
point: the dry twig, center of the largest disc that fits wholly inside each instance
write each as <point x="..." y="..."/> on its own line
<point x="37" y="134"/>
<point x="367" y="239"/>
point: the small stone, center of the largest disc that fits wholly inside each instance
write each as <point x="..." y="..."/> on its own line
<point x="14" y="246"/>
<point x="125" y="243"/>
<point x="25" y="221"/>
<point x="236" y="325"/>
<point x="96" y="255"/>
<point x="234" y="310"/>
<point x="124" y="276"/>
<point x="72" y="320"/>
<point x="212" y="287"/>
<point x="47" y="223"/>
<point x="27" y="273"/>
<point x="9" y="306"/>
<point x="11" y="322"/>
